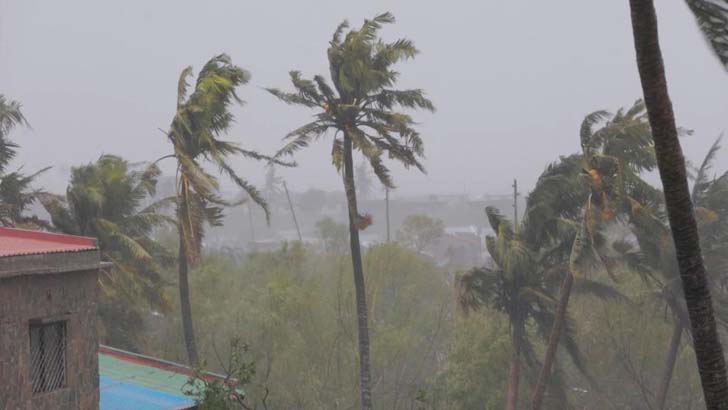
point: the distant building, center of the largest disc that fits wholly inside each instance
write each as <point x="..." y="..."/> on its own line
<point x="48" y="311"/>
<point x="461" y="247"/>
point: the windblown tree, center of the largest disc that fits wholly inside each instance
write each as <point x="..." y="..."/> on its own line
<point x="16" y="192"/>
<point x="521" y="284"/>
<point x="712" y="18"/>
<point x="614" y="157"/>
<point x="362" y="109"/>
<point x="596" y="185"/>
<point x="202" y="117"/>
<point x="110" y="200"/>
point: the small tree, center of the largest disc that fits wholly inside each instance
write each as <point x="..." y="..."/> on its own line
<point x="212" y="392"/>
<point x="420" y="232"/>
<point x="334" y="236"/>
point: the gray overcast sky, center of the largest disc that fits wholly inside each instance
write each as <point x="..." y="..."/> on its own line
<point x="511" y="79"/>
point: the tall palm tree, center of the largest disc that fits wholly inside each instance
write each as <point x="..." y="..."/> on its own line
<point x="362" y="111"/>
<point x="199" y="122"/>
<point x="520" y="284"/>
<point x="110" y="199"/>
<point x="599" y="182"/>
<point x="683" y="224"/>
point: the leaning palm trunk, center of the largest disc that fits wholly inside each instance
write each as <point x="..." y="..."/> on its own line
<point x="671" y="164"/>
<point x="185" y="307"/>
<point x="515" y="370"/>
<point x="672" y="351"/>
<point x="554" y="337"/>
<point x="359" y="285"/>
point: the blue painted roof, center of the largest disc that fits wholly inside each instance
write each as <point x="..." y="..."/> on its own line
<point x="121" y="395"/>
<point x="134" y="382"/>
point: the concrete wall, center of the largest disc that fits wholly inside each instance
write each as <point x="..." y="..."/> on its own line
<point x="70" y="295"/>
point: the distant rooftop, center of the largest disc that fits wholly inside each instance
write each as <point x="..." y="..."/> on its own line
<point x="134" y="382"/>
<point x="19" y="242"/>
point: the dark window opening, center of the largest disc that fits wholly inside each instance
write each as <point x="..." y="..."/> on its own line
<point x="48" y="356"/>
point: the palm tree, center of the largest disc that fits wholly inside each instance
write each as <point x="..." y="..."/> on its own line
<point x="201" y="118"/>
<point x="11" y="116"/>
<point x="110" y="200"/>
<point x="16" y="194"/>
<point x="520" y="284"/>
<point x="671" y="165"/>
<point x="362" y="111"/>
<point x="604" y="178"/>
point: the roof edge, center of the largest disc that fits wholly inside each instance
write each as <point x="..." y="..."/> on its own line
<point x="49" y="236"/>
<point x="50" y="263"/>
<point x="155" y="362"/>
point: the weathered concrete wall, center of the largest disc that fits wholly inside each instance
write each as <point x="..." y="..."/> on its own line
<point x="71" y="296"/>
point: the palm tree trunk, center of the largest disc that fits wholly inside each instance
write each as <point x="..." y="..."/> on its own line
<point x="671" y="164"/>
<point x="558" y="327"/>
<point x="185" y="307"/>
<point x="662" y="389"/>
<point x="359" y="285"/>
<point x="515" y="370"/>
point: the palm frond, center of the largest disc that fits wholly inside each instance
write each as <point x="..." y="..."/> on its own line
<point x="600" y="290"/>
<point x="336" y="38"/>
<point x="702" y="178"/>
<point x="182" y="85"/>
<point x="587" y="125"/>
<point x="537" y="296"/>
<point x="712" y="18"/>
<point x="252" y="192"/>
<point x="475" y="288"/>
<point x="115" y="232"/>
<point x="11" y="116"/>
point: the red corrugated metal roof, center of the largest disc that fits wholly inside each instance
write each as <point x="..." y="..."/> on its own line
<point x="16" y="242"/>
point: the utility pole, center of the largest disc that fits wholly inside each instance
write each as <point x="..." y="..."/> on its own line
<point x="386" y="201"/>
<point x="515" y="205"/>
<point x="293" y="213"/>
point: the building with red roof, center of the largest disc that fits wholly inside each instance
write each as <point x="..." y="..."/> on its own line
<point x="48" y="313"/>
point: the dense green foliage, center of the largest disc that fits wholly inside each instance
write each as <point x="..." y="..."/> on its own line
<point x="294" y="309"/>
